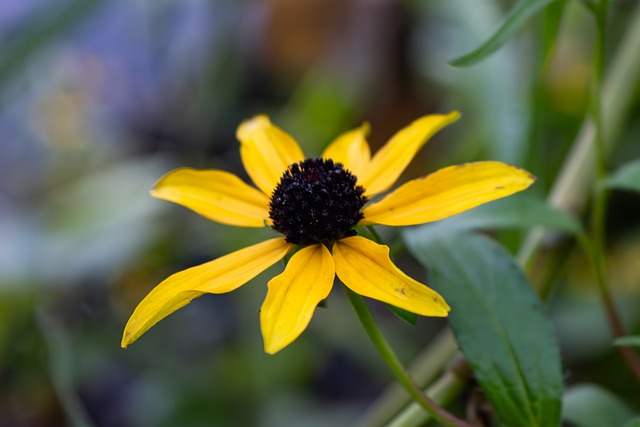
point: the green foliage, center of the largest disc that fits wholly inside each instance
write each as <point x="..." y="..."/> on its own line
<point x="625" y="178"/>
<point x="517" y="17"/>
<point x="588" y="405"/>
<point x="407" y="316"/>
<point x="552" y="19"/>
<point x="500" y="325"/>
<point x="100" y="98"/>
<point x="519" y="212"/>
<point x="635" y="422"/>
<point x="630" y="341"/>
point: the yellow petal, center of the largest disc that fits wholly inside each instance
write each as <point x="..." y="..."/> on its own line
<point x="447" y="192"/>
<point x="217" y="277"/>
<point x="364" y="266"/>
<point x="217" y="195"/>
<point x="294" y="295"/>
<point x="351" y="149"/>
<point x="267" y="151"/>
<point x="392" y="159"/>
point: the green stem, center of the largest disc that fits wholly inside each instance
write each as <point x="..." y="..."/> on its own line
<point x="595" y="249"/>
<point x="394" y="249"/>
<point x="550" y="27"/>
<point x="597" y="244"/>
<point x="569" y="191"/>
<point x="600" y="13"/>
<point x="576" y="177"/>
<point x="370" y="326"/>
<point x="374" y="235"/>
<point x="446" y="389"/>
<point x="424" y="369"/>
<point x="556" y="261"/>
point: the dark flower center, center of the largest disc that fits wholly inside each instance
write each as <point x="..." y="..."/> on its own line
<point x="316" y="201"/>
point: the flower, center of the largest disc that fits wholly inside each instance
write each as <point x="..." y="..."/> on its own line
<point x="316" y="203"/>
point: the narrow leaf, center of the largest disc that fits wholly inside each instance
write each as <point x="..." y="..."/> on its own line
<point x="516" y="18"/>
<point x="625" y="178"/>
<point x="630" y="341"/>
<point x="499" y="324"/>
<point x="552" y="19"/>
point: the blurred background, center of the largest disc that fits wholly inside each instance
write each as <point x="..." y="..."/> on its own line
<point x="98" y="99"/>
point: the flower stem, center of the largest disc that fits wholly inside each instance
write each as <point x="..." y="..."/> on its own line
<point x="600" y="14"/>
<point x="374" y="235"/>
<point x="570" y="189"/>
<point x="387" y="353"/>
<point x="425" y="369"/>
<point x="448" y="387"/>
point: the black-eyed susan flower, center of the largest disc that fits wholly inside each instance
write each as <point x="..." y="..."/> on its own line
<point x="316" y="203"/>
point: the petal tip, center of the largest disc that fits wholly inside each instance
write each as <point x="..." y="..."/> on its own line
<point x="440" y="306"/>
<point x="527" y="176"/>
<point x="442" y="119"/>
<point x="271" y="350"/>
<point x="160" y="193"/>
<point x="454" y="115"/>
<point x="126" y="340"/>
<point x="250" y="125"/>
<point x="273" y="346"/>
<point x="156" y="190"/>
<point x="446" y="309"/>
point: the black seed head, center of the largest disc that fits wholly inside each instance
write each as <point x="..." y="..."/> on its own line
<point x="316" y="201"/>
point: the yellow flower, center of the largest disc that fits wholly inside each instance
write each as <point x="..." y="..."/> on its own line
<point x="315" y="204"/>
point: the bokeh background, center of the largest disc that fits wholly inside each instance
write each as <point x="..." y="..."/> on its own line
<point x="98" y="99"/>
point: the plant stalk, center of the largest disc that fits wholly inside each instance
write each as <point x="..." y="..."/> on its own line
<point x="440" y="414"/>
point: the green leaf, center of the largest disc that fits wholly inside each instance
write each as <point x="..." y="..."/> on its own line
<point x="634" y="422"/>
<point x="591" y="5"/>
<point x="552" y="20"/>
<point x="588" y="405"/>
<point x="626" y="178"/>
<point x="516" y="18"/>
<point x="407" y="316"/>
<point x="630" y="341"/>
<point x="519" y="211"/>
<point x="500" y="325"/>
